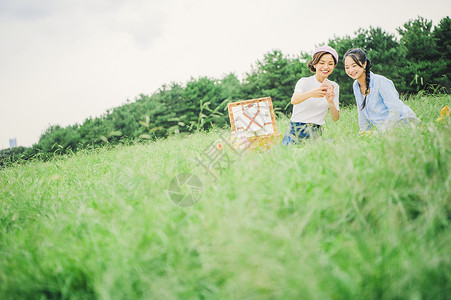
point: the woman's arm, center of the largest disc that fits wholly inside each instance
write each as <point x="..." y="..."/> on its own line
<point x="364" y="123"/>
<point x="397" y="109"/>
<point x="331" y="99"/>
<point x="389" y="94"/>
<point x="301" y="97"/>
<point x="334" y="112"/>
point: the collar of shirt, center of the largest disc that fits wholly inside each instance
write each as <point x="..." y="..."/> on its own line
<point x="320" y="83"/>
<point x="357" y="85"/>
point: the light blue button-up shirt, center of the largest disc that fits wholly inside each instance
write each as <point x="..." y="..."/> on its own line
<point x="383" y="107"/>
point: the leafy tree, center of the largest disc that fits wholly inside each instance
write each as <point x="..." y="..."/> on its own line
<point x="91" y="131"/>
<point x="274" y="76"/>
<point x="442" y="38"/>
<point x="420" y="69"/>
<point x="230" y="87"/>
<point x="202" y="98"/>
<point x="8" y="156"/>
<point x="416" y="36"/>
<point x="171" y="96"/>
<point x="59" y="140"/>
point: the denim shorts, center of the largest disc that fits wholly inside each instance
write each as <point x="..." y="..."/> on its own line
<point x="298" y="131"/>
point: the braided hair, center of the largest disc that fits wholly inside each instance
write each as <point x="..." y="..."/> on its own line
<point x="360" y="58"/>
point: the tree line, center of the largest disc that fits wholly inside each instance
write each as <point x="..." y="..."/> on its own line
<point x="416" y="58"/>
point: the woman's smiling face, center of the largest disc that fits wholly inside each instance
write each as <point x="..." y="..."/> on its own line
<point x="353" y="69"/>
<point x="325" y="66"/>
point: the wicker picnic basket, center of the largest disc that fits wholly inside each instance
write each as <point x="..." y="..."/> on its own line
<point x="256" y="121"/>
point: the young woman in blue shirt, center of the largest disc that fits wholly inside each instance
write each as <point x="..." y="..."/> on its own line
<point x="376" y="97"/>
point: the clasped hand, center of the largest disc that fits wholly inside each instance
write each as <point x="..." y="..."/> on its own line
<point x="324" y="91"/>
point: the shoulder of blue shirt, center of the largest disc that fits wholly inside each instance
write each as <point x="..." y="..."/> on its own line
<point x="375" y="79"/>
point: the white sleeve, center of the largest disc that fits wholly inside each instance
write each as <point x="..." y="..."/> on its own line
<point x="301" y="85"/>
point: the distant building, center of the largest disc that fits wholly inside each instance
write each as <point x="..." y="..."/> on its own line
<point x="12" y="143"/>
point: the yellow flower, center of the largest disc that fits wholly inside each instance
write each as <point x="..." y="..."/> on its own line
<point x="366" y="133"/>
<point x="443" y="113"/>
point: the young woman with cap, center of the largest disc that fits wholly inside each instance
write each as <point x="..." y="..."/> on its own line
<point x="313" y="96"/>
<point x="376" y="97"/>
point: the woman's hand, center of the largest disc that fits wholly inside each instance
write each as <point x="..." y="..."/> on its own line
<point x="326" y="90"/>
<point x="330" y="95"/>
<point x="319" y="92"/>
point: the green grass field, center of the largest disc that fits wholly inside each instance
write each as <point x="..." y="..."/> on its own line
<point x="359" y="217"/>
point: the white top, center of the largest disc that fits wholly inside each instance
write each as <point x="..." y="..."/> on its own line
<point x="312" y="110"/>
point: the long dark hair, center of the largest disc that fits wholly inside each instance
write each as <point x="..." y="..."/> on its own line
<point x="360" y="58"/>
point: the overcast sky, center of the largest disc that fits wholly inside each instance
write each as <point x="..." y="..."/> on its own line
<point x="62" y="61"/>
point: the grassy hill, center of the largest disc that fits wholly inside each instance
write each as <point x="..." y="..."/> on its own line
<point x="341" y="217"/>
